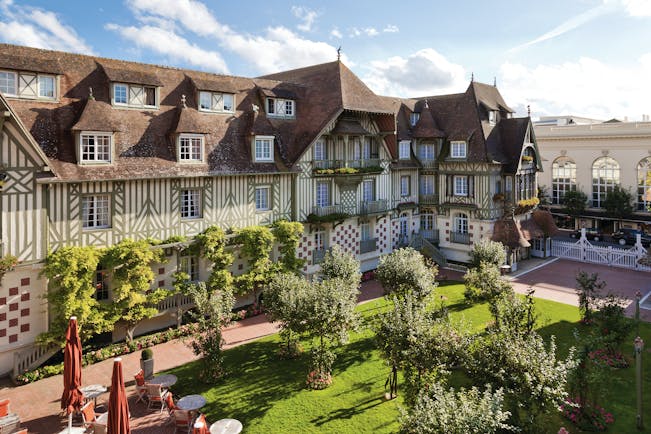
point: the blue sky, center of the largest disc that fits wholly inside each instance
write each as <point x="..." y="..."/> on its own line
<point x="583" y="57"/>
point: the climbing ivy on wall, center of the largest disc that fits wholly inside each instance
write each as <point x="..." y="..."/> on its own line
<point x="256" y="243"/>
<point x="211" y="244"/>
<point x="288" y="235"/>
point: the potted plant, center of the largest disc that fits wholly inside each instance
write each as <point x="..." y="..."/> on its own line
<point x="147" y="362"/>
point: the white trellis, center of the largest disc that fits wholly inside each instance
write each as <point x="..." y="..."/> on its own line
<point x="583" y="251"/>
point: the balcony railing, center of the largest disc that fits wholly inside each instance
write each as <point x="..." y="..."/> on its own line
<point x="337" y="164"/>
<point x="406" y="201"/>
<point x="428" y="164"/>
<point x="373" y="206"/>
<point x="368" y="162"/>
<point x="431" y="235"/>
<point x="318" y="255"/>
<point x="427" y="199"/>
<point x="366" y="246"/>
<point x="332" y="209"/>
<point x="460" y="237"/>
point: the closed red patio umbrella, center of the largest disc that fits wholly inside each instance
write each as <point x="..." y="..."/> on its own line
<point x="72" y="398"/>
<point x="118" y="408"/>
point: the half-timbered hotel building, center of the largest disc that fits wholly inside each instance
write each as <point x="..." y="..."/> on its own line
<point x="97" y="150"/>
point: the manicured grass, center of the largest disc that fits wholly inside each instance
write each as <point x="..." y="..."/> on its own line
<point x="269" y="395"/>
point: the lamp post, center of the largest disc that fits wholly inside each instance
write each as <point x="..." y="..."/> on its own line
<point x="638" y="297"/>
<point x="639" y="345"/>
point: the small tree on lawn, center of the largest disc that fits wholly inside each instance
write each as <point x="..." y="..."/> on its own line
<point x="337" y="264"/>
<point x="588" y="287"/>
<point x="485" y="283"/>
<point x="213" y="312"/>
<point x="406" y="271"/>
<point x="487" y="251"/>
<point x="71" y="271"/>
<point x="329" y="315"/>
<point x="464" y="412"/>
<point x="618" y="203"/>
<point x="575" y="202"/>
<point x="133" y="300"/>
<point x="285" y="299"/>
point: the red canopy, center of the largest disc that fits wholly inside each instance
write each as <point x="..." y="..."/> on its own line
<point x="72" y="398"/>
<point x="118" y="408"/>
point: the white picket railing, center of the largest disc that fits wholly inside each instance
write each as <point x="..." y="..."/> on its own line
<point x="583" y="251"/>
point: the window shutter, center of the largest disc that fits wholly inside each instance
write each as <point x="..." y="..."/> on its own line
<point x="471" y="185"/>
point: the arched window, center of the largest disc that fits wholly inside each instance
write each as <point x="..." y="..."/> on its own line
<point x="644" y="185"/>
<point x="563" y="178"/>
<point x="605" y="176"/>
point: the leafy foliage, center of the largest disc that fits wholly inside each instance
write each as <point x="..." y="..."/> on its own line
<point x="588" y="287"/>
<point x="406" y="271"/>
<point x="618" y="203"/>
<point x="487" y="251"/>
<point x="133" y="301"/>
<point x="484" y="283"/>
<point x="256" y="245"/>
<point x="338" y="264"/>
<point x="575" y="202"/>
<point x="70" y="271"/>
<point x="514" y="315"/>
<point x="7" y="262"/>
<point x="211" y="244"/>
<point x="612" y="324"/>
<point x="288" y="235"/>
<point x="470" y="411"/>
<point x="213" y="312"/>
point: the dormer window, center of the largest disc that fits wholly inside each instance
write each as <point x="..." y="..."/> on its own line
<point x="133" y="95"/>
<point x="95" y="148"/>
<point x="281" y="108"/>
<point x="190" y="148"/>
<point x="28" y="85"/>
<point x="492" y="117"/>
<point x="403" y="150"/>
<point x="458" y="149"/>
<point x="414" y="118"/>
<point x="216" y="102"/>
<point x="263" y="151"/>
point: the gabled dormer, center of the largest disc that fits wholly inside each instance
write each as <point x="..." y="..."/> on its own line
<point x="215" y="95"/>
<point x="279" y="102"/>
<point x="30" y="78"/>
<point x="94" y="133"/>
<point x="189" y="135"/>
<point x="131" y="88"/>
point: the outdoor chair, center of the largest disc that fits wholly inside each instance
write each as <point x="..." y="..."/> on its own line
<point x="8" y="421"/>
<point x="156" y="395"/>
<point x="200" y="425"/>
<point x="141" y="390"/>
<point x="95" y="422"/>
<point x="182" y="420"/>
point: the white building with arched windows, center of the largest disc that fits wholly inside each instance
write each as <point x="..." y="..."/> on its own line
<point x="594" y="158"/>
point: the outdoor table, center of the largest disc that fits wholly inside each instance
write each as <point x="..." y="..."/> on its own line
<point x="92" y="392"/>
<point x="165" y="380"/>
<point x="191" y="402"/>
<point x="226" y="426"/>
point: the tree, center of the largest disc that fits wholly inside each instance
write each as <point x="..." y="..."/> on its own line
<point x="211" y="244"/>
<point x="338" y="264"/>
<point x="329" y="315"/>
<point x="130" y="267"/>
<point x="71" y="271"/>
<point x="588" y="287"/>
<point x="288" y="234"/>
<point x="487" y="251"/>
<point x="485" y="283"/>
<point x="618" y="203"/>
<point x="543" y="196"/>
<point x="405" y="271"/>
<point x="438" y="411"/>
<point x="285" y="299"/>
<point x="575" y="202"/>
<point x="256" y="244"/>
<point x="213" y="312"/>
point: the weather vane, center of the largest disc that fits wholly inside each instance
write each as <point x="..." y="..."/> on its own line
<point x="339" y="53"/>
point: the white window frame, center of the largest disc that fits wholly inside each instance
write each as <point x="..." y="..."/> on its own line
<point x="563" y="178"/>
<point x="191" y="204"/>
<point x="259" y="154"/>
<point x="190" y="266"/>
<point x="131" y="89"/>
<point x="263" y="198"/>
<point x="458" y="149"/>
<point x="319" y="152"/>
<point x="320" y="239"/>
<point x="6" y="80"/>
<point x="461" y="223"/>
<point x="193" y="153"/>
<point x="34" y="85"/>
<point x="427" y="151"/>
<point x="321" y="199"/>
<point x="606" y="174"/>
<point x="643" y="197"/>
<point x="214" y="105"/>
<point x="366" y="231"/>
<point x="368" y="190"/>
<point x="98" y="156"/>
<point x="40" y="88"/>
<point x="280" y="108"/>
<point x="405" y="185"/>
<point x="460" y="185"/>
<point x="404" y="150"/>
<point x="492" y="117"/>
<point x="414" y="117"/>
<point x="96" y="211"/>
<point x="427" y="221"/>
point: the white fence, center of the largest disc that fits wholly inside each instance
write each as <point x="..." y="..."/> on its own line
<point x="584" y="251"/>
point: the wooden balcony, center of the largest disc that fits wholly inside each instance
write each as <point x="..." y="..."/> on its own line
<point x="373" y="207"/>
<point x="428" y="199"/>
<point x="460" y="237"/>
<point x="322" y="211"/>
<point x="366" y="246"/>
<point x="405" y="202"/>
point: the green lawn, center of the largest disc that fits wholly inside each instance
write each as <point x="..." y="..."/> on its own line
<point x="269" y="395"/>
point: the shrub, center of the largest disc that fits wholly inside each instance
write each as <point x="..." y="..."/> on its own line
<point x="406" y="271"/>
<point x="146" y="354"/>
<point x="488" y="251"/>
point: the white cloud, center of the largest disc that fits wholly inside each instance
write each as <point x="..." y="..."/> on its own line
<point x="390" y="28"/>
<point x="307" y="16"/>
<point x="335" y="33"/>
<point x="586" y="87"/>
<point x="275" y="49"/>
<point x="638" y="8"/>
<point x="368" y="31"/>
<point x="169" y="43"/>
<point x="35" y="27"/>
<point x="425" y="72"/>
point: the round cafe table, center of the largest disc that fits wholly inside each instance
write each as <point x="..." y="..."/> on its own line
<point x="165" y="380"/>
<point x="92" y="392"/>
<point x="191" y="402"/>
<point x="226" y="426"/>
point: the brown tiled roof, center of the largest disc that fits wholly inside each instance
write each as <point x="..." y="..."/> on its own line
<point x="224" y="84"/>
<point x="189" y="120"/>
<point x="506" y="141"/>
<point x="531" y="230"/>
<point x="97" y="116"/>
<point x="490" y="97"/>
<point x="279" y="91"/>
<point x="349" y="126"/>
<point x="129" y="74"/>
<point x="426" y="127"/>
<point x="545" y="221"/>
<point x="507" y="232"/>
<point x="25" y="62"/>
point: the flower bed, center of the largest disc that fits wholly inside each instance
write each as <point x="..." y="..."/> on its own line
<point x="603" y="357"/>
<point x="318" y="380"/>
<point x="587" y="417"/>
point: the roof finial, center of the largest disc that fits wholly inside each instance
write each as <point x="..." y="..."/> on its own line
<point x="255" y="108"/>
<point x="339" y="53"/>
<point x="494" y="81"/>
<point x="472" y="77"/>
<point x="528" y="110"/>
<point x="90" y="93"/>
<point x="183" y="101"/>
<point x="426" y="104"/>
